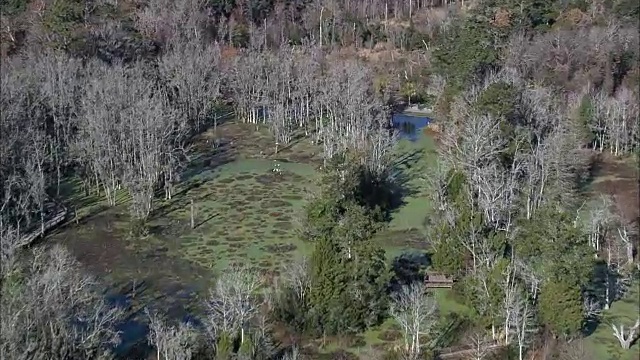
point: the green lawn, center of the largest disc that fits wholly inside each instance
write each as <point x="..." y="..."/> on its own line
<point x="602" y="342"/>
<point x="416" y="159"/>
<point x="405" y="232"/>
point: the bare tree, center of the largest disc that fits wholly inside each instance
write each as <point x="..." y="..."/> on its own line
<point x="139" y="146"/>
<point x="234" y="302"/>
<point x="9" y="240"/>
<point x="56" y="312"/>
<point x="415" y="312"/>
<point x="151" y="128"/>
<point x="522" y="323"/>
<point x="296" y="275"/>
<point x="531" y="278"/>
<point x="101" y="139"/>
<point x="172" y="22"/>
<point x="511" y="301"/>
<point x="575" y="350"/>
<point x="193" y="75"/>
<point x="473" y="143"/>
<point x="615" y="121"/>
<point x="626" y="338"/>
<point x="479" y="342"/>
<point x="599" y="219"/>
<point x="617" y="277"/>
<point x="171" y="342"/>
<point x="625" y="237"/>
<point x="60" y="85"/>
<point x="438" y="181"/>
<point x="553" y="160"/>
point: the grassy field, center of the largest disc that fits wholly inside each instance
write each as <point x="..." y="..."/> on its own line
<point x="602" y="343"/>
<point x="405" y="232"/>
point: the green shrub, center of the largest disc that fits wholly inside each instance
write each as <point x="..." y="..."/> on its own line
<point x="13" y="7"/>
<point x="469" y="51"/>
<point x="224" y="347"/>
<point x="63" y="16"/>
<point x="138" y="228"/>
<point x="627" y="9"/>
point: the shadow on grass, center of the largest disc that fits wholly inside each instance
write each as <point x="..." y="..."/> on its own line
<point x="297" y="138"/>
<point x="178" y="200"/>
<point x="597" y="290"/>
<point x="401" y="187"/>
<point x="205" y="220"/>
<point x="449" y="329"/>
<point x="222" y="154"/>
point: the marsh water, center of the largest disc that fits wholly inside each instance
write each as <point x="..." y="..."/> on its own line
<point x="134" y="330"/>
<point x="410" y="126"/>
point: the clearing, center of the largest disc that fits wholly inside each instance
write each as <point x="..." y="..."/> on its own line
<point x="245" y="213"/>
<point x="619" y="179"/>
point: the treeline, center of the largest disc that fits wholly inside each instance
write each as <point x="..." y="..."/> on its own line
<point x="116" y="125"/>
<point x="104" y="27"/>
<point x="525" y="107"/>
<point x="131" y="29"/>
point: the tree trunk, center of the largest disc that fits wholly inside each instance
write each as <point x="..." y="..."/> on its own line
<point x="607" y="290"/>
<point x="193" y="223"/>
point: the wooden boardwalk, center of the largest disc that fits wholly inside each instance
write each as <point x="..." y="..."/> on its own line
<point x="60" y="216"/>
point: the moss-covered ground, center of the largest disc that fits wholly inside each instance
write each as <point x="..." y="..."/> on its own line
<point x="245" y="213"/>
<point x="625" y="312"/>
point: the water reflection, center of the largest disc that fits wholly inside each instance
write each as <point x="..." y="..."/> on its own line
<point x="410" y="127"/>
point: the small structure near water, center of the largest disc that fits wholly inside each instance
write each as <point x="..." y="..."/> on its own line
<point x="437" y="280"/>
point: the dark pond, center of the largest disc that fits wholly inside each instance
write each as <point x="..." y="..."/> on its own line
<point x="134" y="329"/>
<point x="409" y="126"/>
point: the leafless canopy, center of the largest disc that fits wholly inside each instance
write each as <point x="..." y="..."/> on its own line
<point x="415" y="311"/>
<point x="54" y="312"/>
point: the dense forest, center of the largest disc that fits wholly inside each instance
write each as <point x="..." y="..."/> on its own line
<point x="111" y="99"/>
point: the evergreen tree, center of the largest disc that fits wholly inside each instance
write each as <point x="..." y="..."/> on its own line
<point x="349" y="273"/>
<point x="328" y="284"/>
<point x="556" y="247"/>
<point x="371" y="277"/>
<point x="561" y="307"/>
